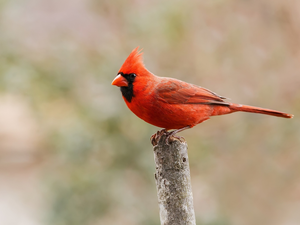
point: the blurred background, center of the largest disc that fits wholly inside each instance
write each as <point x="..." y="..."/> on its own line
<point x="72" y="153"/>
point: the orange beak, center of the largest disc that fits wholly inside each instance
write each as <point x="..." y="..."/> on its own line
<point x="120" y="81"/>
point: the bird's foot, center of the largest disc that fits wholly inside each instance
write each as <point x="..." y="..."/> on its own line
<point x="170" y="136"/>
<point x="182" y="139"/>
<point x="156" y="136"/>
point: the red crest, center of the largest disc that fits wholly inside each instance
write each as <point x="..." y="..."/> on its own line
<point x="134" y="63"/>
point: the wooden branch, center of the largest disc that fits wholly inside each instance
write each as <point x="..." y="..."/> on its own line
<point x="173" y="182"/>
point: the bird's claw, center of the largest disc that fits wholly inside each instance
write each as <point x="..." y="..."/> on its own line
<point x="156" y="136"/>
<point x="169" y="137"/>
<point x="180" y="138"/>
<point x="153" y="138"/>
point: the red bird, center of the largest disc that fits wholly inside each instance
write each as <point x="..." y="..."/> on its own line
<point x="170" y="103"/>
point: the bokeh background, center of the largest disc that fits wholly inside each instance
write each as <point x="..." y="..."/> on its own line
<point x="72" y="153"/>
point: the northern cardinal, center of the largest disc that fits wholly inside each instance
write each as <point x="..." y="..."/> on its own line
<point x="170" y="103"/>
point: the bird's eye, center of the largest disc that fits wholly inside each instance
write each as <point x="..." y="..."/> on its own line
<point x="132" y="75"/>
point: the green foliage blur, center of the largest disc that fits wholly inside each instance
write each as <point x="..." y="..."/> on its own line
<point x="59" y="58"/>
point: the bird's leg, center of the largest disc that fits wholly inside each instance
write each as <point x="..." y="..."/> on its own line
<point x="179" y="130"/>
<point x="169" y="134"/>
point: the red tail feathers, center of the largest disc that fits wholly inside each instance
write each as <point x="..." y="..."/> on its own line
<point x="252" y="109"/>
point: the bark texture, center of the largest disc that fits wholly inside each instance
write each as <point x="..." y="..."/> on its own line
<point x="173" y="182"/>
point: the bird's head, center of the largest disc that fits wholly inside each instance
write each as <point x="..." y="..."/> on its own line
<point x="131" y="72"/>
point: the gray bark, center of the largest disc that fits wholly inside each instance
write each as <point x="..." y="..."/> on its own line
<point x="173" y="182"/>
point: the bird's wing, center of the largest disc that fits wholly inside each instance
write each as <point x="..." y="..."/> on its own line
<point x="174" y="91"/>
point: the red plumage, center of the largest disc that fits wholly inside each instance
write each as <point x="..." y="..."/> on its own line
<point x="170" y="103"/>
